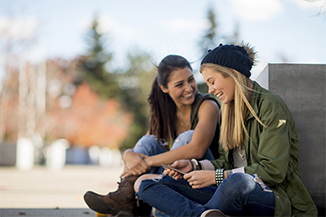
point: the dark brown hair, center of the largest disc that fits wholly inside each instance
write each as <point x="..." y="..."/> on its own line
<point x="162" y="107"/>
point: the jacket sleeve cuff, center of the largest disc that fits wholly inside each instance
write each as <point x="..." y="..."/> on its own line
<point x="207" y="165"/>
<point x="236" y="170"/>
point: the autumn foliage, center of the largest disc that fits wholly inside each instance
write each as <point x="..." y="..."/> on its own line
<point x="78" y="115"/>
<point x="90" y="121"/>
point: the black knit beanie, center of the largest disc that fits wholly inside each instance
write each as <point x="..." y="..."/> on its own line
<point x="231" y="56"/>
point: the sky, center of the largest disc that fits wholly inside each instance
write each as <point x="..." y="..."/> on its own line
<point x="291" y="29"/>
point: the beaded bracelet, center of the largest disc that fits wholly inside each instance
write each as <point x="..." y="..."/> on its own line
<point x="199" y="165"/>
<point x="219" y="175"/>
<point x="192" y="165"/>
<point x="196" y="163"/>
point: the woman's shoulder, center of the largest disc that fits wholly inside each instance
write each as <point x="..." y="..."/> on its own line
<point x="203" y="103"/>
<point x="270" y="102"/>
<point x="201" y="97"/>
<point x="266" y="97"/>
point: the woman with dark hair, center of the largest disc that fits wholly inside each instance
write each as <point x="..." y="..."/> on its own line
<point x="257" y="171"/>
<point x="183" y="123"/>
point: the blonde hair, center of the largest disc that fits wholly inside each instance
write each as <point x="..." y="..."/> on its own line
<point x="234" y="114"/>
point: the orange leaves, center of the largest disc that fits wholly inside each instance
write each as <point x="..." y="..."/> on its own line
<point x="92" y="121"/>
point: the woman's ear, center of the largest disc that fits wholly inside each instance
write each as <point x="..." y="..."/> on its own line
<point x="235" y="73"/>
<point x="163" y="89"/>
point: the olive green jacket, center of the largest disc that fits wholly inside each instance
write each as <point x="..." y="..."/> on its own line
<point x="272" y="154"/>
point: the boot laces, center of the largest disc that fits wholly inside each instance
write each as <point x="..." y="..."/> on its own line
<point x="121" y="185"/>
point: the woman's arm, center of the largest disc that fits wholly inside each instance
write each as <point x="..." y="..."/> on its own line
<point x="134" y="163"/>
<point x="202" y="137"/>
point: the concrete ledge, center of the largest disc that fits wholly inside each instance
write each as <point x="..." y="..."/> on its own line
<point x="302" y="87"/>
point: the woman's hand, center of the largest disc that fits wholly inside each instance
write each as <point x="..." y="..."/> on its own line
<point x="134" y="163"/>
<point x="183" y="165"/>
<point x="200" y="178"/>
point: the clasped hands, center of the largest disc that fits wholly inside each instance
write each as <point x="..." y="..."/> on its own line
<point x="134" y="163"/>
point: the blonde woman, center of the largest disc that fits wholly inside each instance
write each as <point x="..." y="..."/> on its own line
<point x="257" y="171"/>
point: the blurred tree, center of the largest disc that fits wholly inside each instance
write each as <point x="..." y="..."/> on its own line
<point x="17" y="36"/>
<point x="212" y="37"/>
<point x="322" y="7"/>
<point x="88" y="120"/>
<point x="136" y="83"/>
<point x="9" y="99"/>
<point x="94" y="63"/>
<point x="234" y="38"/>
<point x="77" y="114"/>
<point x="126" y="85"/>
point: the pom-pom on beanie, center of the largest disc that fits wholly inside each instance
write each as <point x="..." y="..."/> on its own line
<point x="231" y="56"/>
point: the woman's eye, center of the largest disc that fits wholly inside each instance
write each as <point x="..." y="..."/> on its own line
<point x="178" y="85"/>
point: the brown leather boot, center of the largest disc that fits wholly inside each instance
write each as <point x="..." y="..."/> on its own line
<point x="121" y="202"/>
<point x="142" y="209"/>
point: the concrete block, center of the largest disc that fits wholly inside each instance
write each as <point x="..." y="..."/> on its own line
<point x="8" y="154"/>
<point x="302" y="87"/>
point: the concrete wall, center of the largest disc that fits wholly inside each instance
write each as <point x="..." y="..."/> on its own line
<point x="8" y="154"/>
<point x="302" y="87"/>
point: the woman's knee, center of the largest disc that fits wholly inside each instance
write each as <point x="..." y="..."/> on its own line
<point x="146" y="139"/>
<point x="183" y="139"/>
<point x="144" y="177"/>
<point x="149" y="145"/>
<point x="238" y="184"/>
<point x="242" y="190"/>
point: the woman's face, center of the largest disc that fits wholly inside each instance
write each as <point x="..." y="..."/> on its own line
<point x="219" y="85"/>
<point x="181" y="87"/>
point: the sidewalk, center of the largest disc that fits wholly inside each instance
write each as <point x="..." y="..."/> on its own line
<point x="47" y="212"/>
<point x="41" y="192"/>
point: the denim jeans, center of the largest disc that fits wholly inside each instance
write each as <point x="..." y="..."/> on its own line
<point x="148" y="145"/>
<point x="240" y="194"/>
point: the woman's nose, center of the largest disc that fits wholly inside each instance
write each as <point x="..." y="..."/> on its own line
<point x="210" y="90"/>
<point x="188" y="87"/>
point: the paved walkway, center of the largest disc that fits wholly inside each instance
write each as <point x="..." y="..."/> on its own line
<point x="19" y="212"/>
<point x="40" y="192"/>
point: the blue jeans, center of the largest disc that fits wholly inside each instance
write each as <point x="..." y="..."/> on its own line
<point x="240" y="194"/>
<point x="148" y="145"/>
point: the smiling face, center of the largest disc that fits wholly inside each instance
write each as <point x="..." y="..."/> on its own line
<point x="220" y="86"/>
<point x="181" y="87"/>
